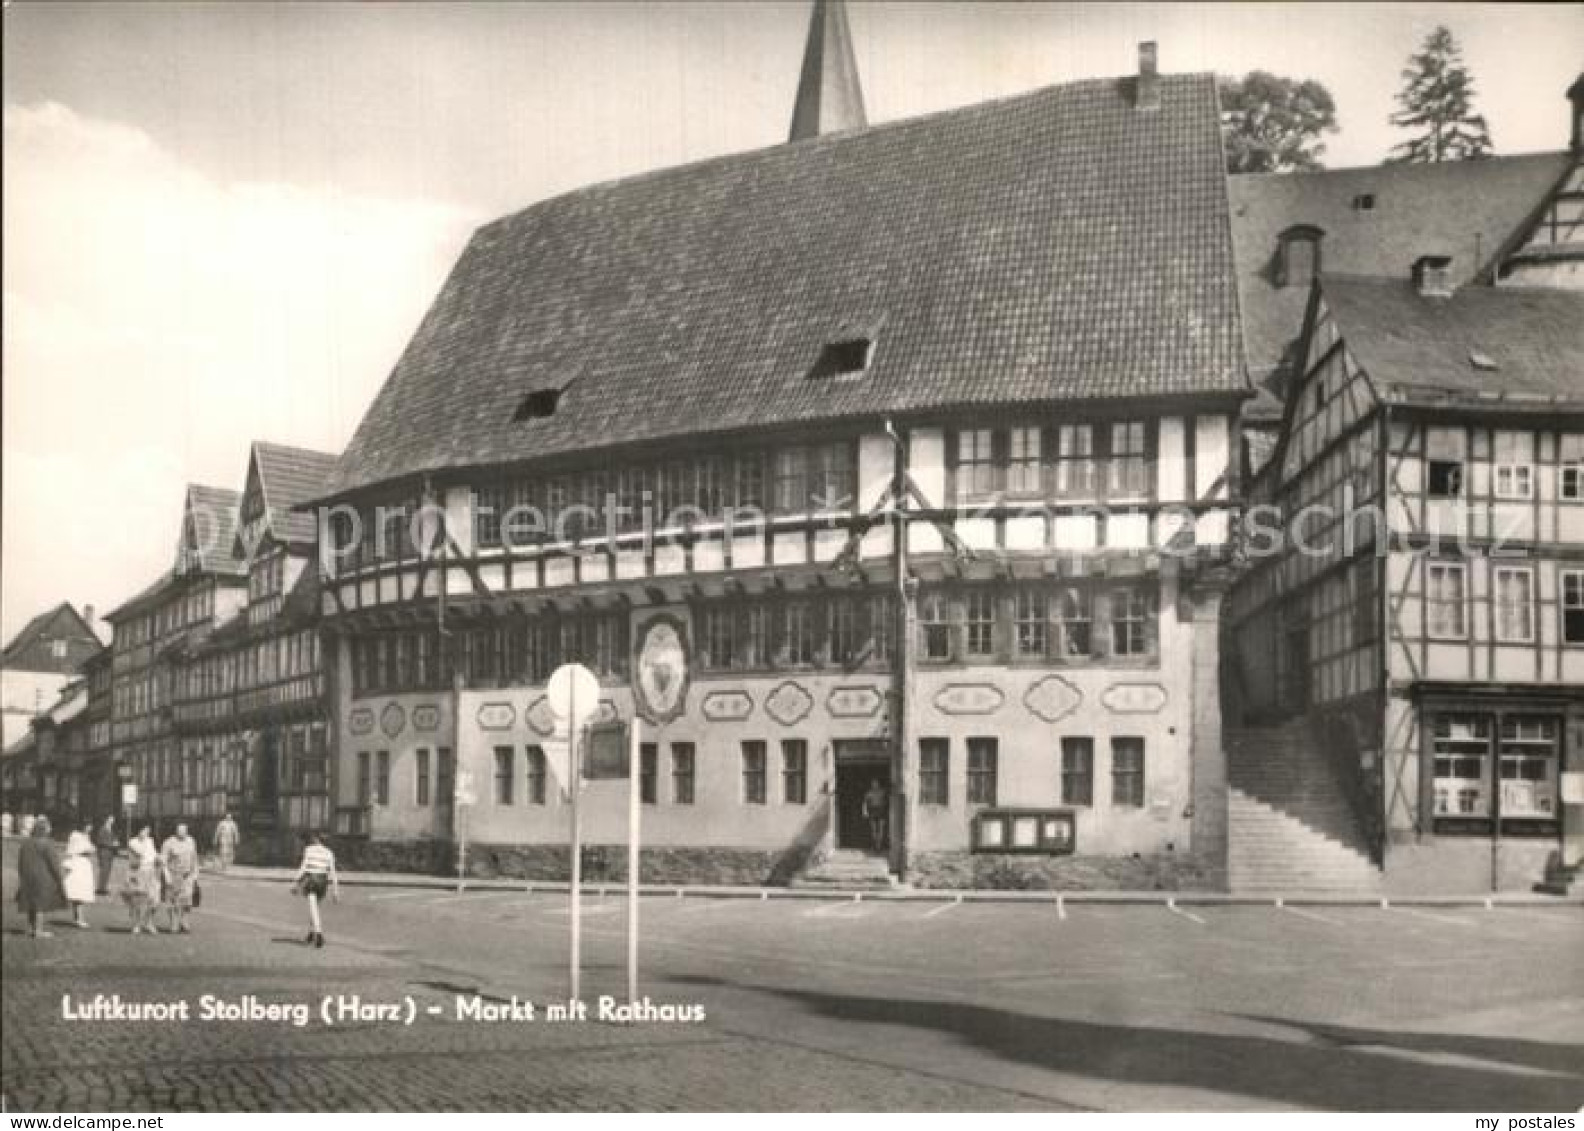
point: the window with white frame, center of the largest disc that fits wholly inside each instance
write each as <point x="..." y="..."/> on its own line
<point x="1129" y="469"/>
<point x="1462" y="766"/>
<point x="934" y="764"/>
<point x="753" y="771"/>
<point x="649" y="773"/>
<point x="1023" y="461"/>
<point x="1572" y="606"/>
<point x="1570" y="470"/>
<point x="1131" y="620"/>
<point x="1445" y="590"/>
<point x="794" y="771"/>
<point x="975" y="463"/>
<point x="979" y="609"/>
<point x="1127" y="772"/>
<point x="1514" y="459"/>
<point x="982" y="771"/>
<point x="934" y="627"/>
<point x="1446" y="450"/>
<point x="1032" y="619"/>
<point x="1077" y="770"/>
<point x="1514" y="604"/>
<point x="682" y="762"/>
<point x="1527" y="763"/>
<point x="1075" y="617"/>
<point x="1075" y="461"/>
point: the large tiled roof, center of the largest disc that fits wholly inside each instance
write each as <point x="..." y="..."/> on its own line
<point x="31" y="650"/>
<point x="1466" y="209"/>
<point x="1516" y="346"/>
<point x="1063" y="244"/>
<point x="291" y="476"/>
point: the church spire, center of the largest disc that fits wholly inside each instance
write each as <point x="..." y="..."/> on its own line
<point x="828" y="97"/>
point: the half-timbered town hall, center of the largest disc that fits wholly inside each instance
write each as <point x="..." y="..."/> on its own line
<point x="1005" y="497"/>
<point x="684" y="416"/>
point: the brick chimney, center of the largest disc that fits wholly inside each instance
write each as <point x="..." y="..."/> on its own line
<point x="1575" y="95"/>
<point x="1146" y="90"/>
<point x="1432" y="276"/>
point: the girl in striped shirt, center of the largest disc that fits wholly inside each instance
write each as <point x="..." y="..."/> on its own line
<point x="315" y="877"/>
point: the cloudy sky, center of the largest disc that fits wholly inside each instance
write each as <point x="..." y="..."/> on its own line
<point x="222" y="222"/>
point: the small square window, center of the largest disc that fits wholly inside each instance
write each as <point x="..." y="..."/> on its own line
<point x="1446" y="479"/>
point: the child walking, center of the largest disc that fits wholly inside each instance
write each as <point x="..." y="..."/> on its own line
<point x="315" y="878"/>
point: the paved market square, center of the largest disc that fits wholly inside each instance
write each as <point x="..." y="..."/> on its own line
<point x="817" y="1004"/>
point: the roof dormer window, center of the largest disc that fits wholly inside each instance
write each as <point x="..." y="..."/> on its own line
<point x="1298" y="256"/>
<point x="849" y="357"/>
<point x="537" y="405"/>
<point x="1432" y="276"/>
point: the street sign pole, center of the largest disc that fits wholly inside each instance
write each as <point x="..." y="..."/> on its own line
<point x="577" y="841"/>
<point x="570" y="685"/>
<point x="634" y="817"/>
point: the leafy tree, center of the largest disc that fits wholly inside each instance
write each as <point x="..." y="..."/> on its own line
<point x="1271" y="124"/>
<point x="1437" y="99"/>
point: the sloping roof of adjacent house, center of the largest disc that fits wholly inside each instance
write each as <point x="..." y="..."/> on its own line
<point x="143" y="597"/>
<point x="1468" y="210"/>
<point x="213" y="511"/>
<point x="32" y="649"/>
<point x="1498" y="346"/>
<point x="288" y="477"/>
<point x="1064" y="244"/>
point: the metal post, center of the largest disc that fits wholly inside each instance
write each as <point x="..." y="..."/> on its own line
<point x="634" y="819"/>
<point x="577" y="843"/>
<point x="458" y="821"/>
<point x="903" y="631"/>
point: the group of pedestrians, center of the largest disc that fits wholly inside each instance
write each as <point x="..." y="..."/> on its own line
<point x="158" y="876"/>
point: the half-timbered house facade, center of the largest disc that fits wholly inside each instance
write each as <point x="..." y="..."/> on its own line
<point x="1415" y="602"/>
<point x="670" y="428"/>
<point x="249" y="703"/>
<point x="153" y="632"/>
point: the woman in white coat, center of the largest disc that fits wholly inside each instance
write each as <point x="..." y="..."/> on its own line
<point x="77" y="866"/>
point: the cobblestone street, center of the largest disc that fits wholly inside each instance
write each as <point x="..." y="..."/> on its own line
<point x="814" y="1004"/>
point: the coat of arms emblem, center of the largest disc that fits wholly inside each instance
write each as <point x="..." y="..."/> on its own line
<point x="662" y="669"/>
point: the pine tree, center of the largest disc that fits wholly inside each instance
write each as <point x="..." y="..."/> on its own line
<point x="1437" y="99"/>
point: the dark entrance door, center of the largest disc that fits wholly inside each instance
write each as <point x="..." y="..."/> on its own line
<point x="269" y="770"/>
<point x="1295" y="670"/>
<point x="858" y="765"/>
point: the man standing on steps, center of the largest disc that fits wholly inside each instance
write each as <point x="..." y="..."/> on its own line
<point x="875" y="806"/>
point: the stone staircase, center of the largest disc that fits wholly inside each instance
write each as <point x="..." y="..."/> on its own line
<point x="848" y="869"/>
<point x="1562" y="879"/>
<point x="1291" y="828"/>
